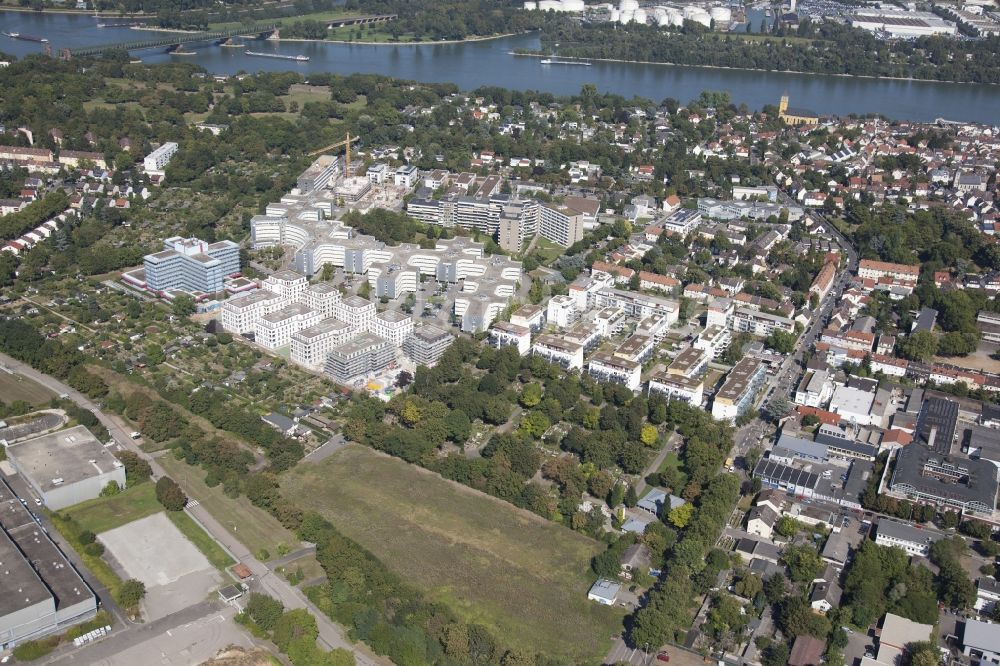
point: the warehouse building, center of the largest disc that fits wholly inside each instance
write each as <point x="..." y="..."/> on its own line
<point x="902" y="23"/>
<point x="66" y="467"/>
<point x="41" y="591"/>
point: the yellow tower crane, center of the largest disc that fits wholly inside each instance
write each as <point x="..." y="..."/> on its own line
<point x="347" y="145"/>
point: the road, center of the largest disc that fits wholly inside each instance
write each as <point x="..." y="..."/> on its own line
<point x="669" y="446"/>
<point x="331" y="635"/>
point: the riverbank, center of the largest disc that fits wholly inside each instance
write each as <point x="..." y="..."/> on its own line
<point x="77" y="12"/>
<point x="358" y="42"/>
<point x="747" y="69"/>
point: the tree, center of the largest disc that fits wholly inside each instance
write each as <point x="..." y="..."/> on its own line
<point x="531" y="395"/>
<point x="183" y="305"/>
<point x="631" y="499"/>
<point x="403" y="379"/>
<point x="137" y="470"/>
<point x="681" y="516"/>
<point x="803" y="562"/>
<point x="130" y="593"/>
<point x="111" y="489"/>
<point x="777" y="408"/>
<point x="170" y="495"/>
<point x="264" y="610"/>
<point x="648" y="435"/>
<point x="781" y="342"/>
<point x="919" y="346"/>
<point x="786" y="526"/>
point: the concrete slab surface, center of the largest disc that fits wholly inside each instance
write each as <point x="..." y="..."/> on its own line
<point x="153" y="550"/>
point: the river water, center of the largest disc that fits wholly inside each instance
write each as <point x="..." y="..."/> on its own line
<point x="475" y="64"/>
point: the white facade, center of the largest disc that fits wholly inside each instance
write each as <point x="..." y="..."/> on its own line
<point x="714" y="340"/>
<point x="241" y="313"/>
<point x="503" y="334"/>
<point x="275" y="329"/>
<point x="562" y="311"/>
<point x="553" y="348"/>
<point x="760" y="323"/>
<point x="287" y="284"/>
<point x="677" y="387"/>
<point x="159" y="158"/>
<point x="355" y="311"/>
<point x="392" y="326"/>
<point x="311" y="345"/>
<point x="608" y="368"/>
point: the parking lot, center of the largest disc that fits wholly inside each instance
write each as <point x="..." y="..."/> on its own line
<point x="155" y="552"/>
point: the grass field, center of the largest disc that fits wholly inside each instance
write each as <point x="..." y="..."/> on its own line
<point x="105" y="513"/>
<point x="201" y="539"/>
<point x="257" y="529"/>
<point x="525" y="577"/>
<point x="16" y="387"/>
<point x="546" y="251"/>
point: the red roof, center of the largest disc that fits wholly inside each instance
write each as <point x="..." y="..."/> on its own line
<point x="241" y="570"/>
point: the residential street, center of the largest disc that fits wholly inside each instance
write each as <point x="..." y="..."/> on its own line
<point x="331" y="635"/>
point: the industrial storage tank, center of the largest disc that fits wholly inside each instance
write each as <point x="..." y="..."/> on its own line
<point x="698" y="15"/>
<point x="573" y="5"/>
<point x="531" y="4"/>
<point x="628" y="6"/>
<point x="721" y="15"/>
<point x="674" y="17"/>
<point x="639" y="16"/>
<point x="625" y="17"/>
<point x="615" y="15"/>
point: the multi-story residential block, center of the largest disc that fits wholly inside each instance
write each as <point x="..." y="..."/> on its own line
<point x="681" y="222"/>
<point x="311" y="345"/>
<point x="286" y="283"/>
<point x="405" y="176"/>
<point x="319" y="174"/>
<point x="275" y="329"/>
<point x="606" y="367"/>
<point x="739" y="390"/>
<point x="690" y="363"/>
<point x="915" y="542"/>
<point x="351" y="361"/>
<point x="393" y="281"/>
<point x="377" y="173"/>
<point x="654" y="327"/>
<point x="323" y="297"/>
<point x="636" y="347"/>
<point x="652" y="281"/>
<point x="677" y="387"/>
<point x="504" y="334"/>
<point x="815" y="389"/>
<point x="391" y="325"/>
<point x="638" y="305"/>
<point x="560" y="224"/>
<point x="192" y="265"/>
<point x="609" y="322"/>
<point x="555" y="349"/>
<point x="562" y="311"/>
<point x="355" y="311"/>
<point x="530" y="316"/>
<point x="160" y="157"/>
<point x="760" y="323"/>
<point x="427" y="345"/>
<point x="517" y="222"/>
<point x="714" y="340"/>
<point x="241" y="313"/>
<point x="720" y="313"/>
<point x="873" y="270"/>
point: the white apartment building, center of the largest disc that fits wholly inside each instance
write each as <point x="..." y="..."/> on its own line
<point x="503" y="334"/>
<point x="760" y="323"/>
<point x="562" y="311"/>
<point x="241" y="313"/>
<point x="377" y="173"/>
<point x="160" y="157"/>
<point x="557" y="350"/>
<point x="714" y="339"/>
<point x="682" y="221"/>
<point x="406" y="176"/>
<point x="720" y="313"/>
<point x="815" y="389"/>
<point x="655" y="327"/>
<point x="873" y="270"/>
<point x="638" y="305"/>
<point x="311" y="345"/>
<point x="275" y="329"/>
<point x="287" y="283"/>
<point x="355" y="311"/>
<point x="606" y="367"/>
<point x="690" y="363"/>
<point x="609" y="322"/>
<point x="391" y="325"/>
<point x="677" y="387"/>
<point x="914" y="542"/>
<point x="530" y="316"/>
<point x="323" y="297"/>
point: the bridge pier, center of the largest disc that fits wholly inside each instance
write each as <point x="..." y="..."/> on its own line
<point x="275" y="34"/>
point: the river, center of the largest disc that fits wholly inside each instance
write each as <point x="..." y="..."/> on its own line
<point x="474" y="64"/>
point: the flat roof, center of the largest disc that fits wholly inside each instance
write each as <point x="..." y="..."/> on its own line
<point x="688" y="359"/>
<point x="61" y="578"/>
<point x="967" y="480"/>
<point x="738" y="379"/>
<point x="287" y="312"/>
<point x="325" y="326"/>
<point x="981" y="635"/>
<point x="21" y="586"/>
<point x="904" y="532"/>
<point x="392" y="316"/>
<point x="71" y="455"/>
<point x="431" y="333"/>
<point x="354" y="301"/>
<point x="363" y="342"/>
<point x="936" y="424"/>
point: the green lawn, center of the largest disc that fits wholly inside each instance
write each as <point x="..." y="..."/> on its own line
<point x="256" y="528"/>
<point x="202" y="540"/>
<point x="106" y="513"/>
<point x="523" y="576"/>
<point x="547" y="251"/>
<point x="16" y="387"/>
<point x="670" y="461"/>
<point x="315" y="16"/>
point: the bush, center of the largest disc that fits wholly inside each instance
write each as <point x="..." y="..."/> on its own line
<point x="35" y="649"/>
<point x="95" y="549"/>
<point x="86" y="537"/>
<point x="170" y="495"/>
<point x="130" y="593"/>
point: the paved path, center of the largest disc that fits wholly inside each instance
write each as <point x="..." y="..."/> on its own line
<point x="670" y="445"/>
<point x="331" y="635"/>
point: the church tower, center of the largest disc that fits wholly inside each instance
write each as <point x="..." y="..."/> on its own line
<point x="783" y="104"/>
